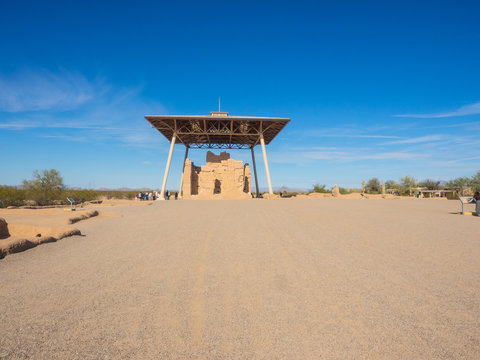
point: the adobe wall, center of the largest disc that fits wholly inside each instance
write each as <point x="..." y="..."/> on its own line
<point x="220" y="178"/>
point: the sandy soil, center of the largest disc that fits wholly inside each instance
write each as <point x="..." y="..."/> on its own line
<point x="28" y="228"/>
<point x="278" y="279"/>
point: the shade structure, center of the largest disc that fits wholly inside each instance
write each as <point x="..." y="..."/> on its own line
<point x="217" y="131"/>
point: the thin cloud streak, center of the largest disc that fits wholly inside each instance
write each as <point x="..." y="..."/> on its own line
<point x="471" y="109"/>
<point x="32" y="125"/>
<point x="354" y="157"/>
<point x="91" y="111"/>
<point x="343" y="156"/>
<point x="46" y="91"/>
<point x="65" y="137"/>
<point x="417" y="140"/>
<point x="346" y="133"/>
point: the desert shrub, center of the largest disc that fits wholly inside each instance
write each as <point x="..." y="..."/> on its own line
<point x="45" y="187"/>
<point x="459" y="184"/>
<point x="117" y="194"/>
<point x="11" y="196"/>
<point x="320" y="189"/>
<point x="390" y="184"/>
<point x="343" y="191"/>
<point x="89" y="195"/>
<point x="430" y="184"/>
<point x="80" y="195"/>
<point x="407" y="184"/>
<point x="373" y="186"/>
<point x="451" y="196"/>
<point x="475" y="182"/>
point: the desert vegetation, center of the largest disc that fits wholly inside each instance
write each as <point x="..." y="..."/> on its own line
<point x="47" y="188"/>
<point x="407" y="185"/>
<point x="460" y="186"/>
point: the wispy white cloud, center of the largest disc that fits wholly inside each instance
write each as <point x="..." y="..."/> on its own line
<point x="471" y="109"/>
<point x="343" y="156"/>
<point x="66" y="105"/>
<point x="355" y="156"/>
<point x="66" y="137"/>
<point x="416" y="140"/>
<point x="45" y="90"/>
<point x="347" y="133"/>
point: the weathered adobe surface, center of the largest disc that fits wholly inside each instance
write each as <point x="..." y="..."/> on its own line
<point x="22" y="236"/>
<point x="19" y="237"/>
<point x="82" y="216"/>
<point x="221" y="178"/>
<point x="3" y="229"/>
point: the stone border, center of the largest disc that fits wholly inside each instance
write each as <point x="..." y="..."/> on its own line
<point x="21" y="244"/>
<point x="81" y="217"/>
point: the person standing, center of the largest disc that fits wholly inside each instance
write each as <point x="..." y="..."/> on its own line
<point x="476" y="196"/>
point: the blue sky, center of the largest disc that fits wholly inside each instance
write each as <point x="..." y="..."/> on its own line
<point x="374" y="89"/>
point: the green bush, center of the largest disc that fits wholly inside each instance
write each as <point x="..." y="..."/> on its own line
<point x="45" y="187"/>
<point x="320" y="189"/>
<point x="80" y="195"/>
<point x="475" y="182"/>
<point x="451" y="196"/>
<point x="373" y="186"/>
<point x="11" y="196"/>
<point x="117" y="194"/>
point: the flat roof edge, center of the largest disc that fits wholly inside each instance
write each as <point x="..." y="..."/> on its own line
<point x="214" y="117"/>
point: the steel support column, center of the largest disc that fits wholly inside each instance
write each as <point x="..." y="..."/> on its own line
<point x="180" y="190"/>
<point x="257" y="194"/>
<point x="262" y="142"/>
<point x="167" y="168"/>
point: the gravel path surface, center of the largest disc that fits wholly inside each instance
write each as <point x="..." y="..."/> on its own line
<point x="279" y="279"/>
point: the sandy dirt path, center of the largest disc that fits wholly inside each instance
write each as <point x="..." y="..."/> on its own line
<point x="279" y="279"/>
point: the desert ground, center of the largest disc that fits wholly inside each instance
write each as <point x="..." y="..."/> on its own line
<point x="249" y="279"/>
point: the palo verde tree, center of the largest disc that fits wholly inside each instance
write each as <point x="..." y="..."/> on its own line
<point x="431" y="184"/>
<point x="459" y="185"/>
<point x="319" y="188"/>
<point x="475" y="181"/>
<point x="44" y="187"/>
<point x="373" y="186"/>
<point x="408" y="183"/>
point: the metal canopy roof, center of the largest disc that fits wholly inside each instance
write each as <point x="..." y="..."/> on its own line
<point x="218" y="130"/>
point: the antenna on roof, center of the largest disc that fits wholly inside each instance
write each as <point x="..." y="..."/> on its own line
<point x="219" y="104"/>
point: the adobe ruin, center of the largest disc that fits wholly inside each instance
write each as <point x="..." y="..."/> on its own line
<point x="221" y="178"/>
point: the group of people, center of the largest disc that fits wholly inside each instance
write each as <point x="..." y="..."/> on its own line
<point x="168" y="194"/>
<point x="154" y="195"/>
<point x="147" y="195"/>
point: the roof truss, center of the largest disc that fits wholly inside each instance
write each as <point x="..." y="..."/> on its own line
<point x="213" y="132"/>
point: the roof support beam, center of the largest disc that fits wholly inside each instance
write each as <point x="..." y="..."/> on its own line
<point x="180" y="191"/>
<point x="257" y="194"/>
<point x="262" y="142"/>
<point x="167" y="167"/>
